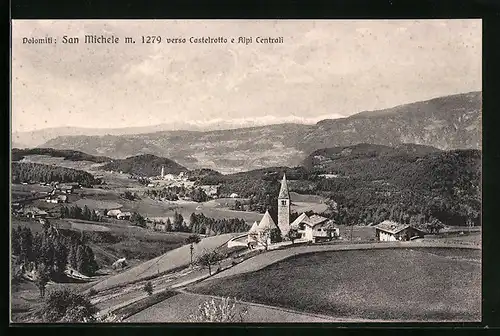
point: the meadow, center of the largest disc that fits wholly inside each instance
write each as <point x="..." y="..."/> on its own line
<point x="389" y="284"/>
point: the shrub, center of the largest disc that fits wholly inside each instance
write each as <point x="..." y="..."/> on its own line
<point x="67" y="306"/>
<point x="148" y="288"/>
<point x="223" y="310"/>
<point x="92" y="292"/>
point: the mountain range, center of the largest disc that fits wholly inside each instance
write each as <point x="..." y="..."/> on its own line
<point x="450" y="122"/>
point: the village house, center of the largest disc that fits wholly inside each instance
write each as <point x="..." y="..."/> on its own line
<point x="113" y="213"/>
<point x="392" y="231"/>
<point x="34" y="212"/>
<point x="315" y="228"/>
<point x="210" y="190"/>
<point x="57" y="199"/>
<point x="124" y="215"/>
<point x="160" y="227"/>
<point x="120" y="263"/>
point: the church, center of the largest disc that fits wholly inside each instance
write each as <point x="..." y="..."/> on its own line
<point x="305" y="228"/>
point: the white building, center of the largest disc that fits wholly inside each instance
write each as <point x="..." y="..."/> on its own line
<point x="315" y="228"/>
<point x="113" y="213"/>
<point x="392" y="231"/>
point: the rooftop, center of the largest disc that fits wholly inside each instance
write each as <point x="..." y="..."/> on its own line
<point x="267" y="222"/>
<point x="284" y="189"/>
<point x="391" y="227"/>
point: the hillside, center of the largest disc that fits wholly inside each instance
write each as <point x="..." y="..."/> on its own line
<point x="145" y="165"/>
<point x="371" y="183"/>
<point x="71" y="155"/>
<point x="27" y="171"/>
<point x="451" y="122"/>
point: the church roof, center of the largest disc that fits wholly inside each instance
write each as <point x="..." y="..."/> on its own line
<point x="267" y="223"/>
<point x="254" y="228"/>
<point x="284" y="189"/>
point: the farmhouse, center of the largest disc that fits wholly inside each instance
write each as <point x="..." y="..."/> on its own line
<point x="314" y="228"/>
<point x="124" y="215"/>
<point x="210" y="190"/>
<point x="57" y="199"/>
<point x="34" y="212"/>
<point x="113" y="213"/>
<point x="120" y="263"/>
<point x="160" y="227"/>
<point x="392" y="231"/>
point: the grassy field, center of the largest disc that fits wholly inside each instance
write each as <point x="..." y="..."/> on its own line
<point x="59" y="161"/>
<point x="179" y="257"/>
<point x="400" y="284"/>
<point x="140" y="305"/>
<point x="179" y="308"/>
<point x="97" y="204"/>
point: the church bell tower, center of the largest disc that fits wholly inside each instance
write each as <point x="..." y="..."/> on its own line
<point x="284" y="208"/>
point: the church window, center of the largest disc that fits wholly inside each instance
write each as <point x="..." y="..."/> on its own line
<point x="283" y="202"/>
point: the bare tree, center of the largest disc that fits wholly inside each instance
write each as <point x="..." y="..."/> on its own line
<point x="219" y="310"/>
<point x="292" y="234"/>
<point x="264" y="237"/>
<point x="208" y="259"/>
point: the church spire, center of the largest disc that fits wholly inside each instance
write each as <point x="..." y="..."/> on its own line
<point x="284" y="194"/>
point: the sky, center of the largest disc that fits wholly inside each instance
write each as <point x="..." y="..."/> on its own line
<point x="324" y="69"/>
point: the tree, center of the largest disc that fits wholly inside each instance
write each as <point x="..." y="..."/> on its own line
<point x="138" y="220"/>
<point x="219" y="310"/>
<point x="42" y="278"/>
<point x="128" y="195"/>
<point x="80" y="259"/>
<point x="67" y="306"/>
<point x="148" y="288"/>
<point x="208" y="259"/>
<point x="168" y="225"/>
<point x="192" y="239"/>
<point x="61" y="257"/>
<point x="267" y="236"/>
<point x="293" y="234"/>
<point x="178" y="221"/>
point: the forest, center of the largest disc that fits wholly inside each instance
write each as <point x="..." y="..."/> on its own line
<point x="173" y="193"/>
<point x="36" y="172"/>
<point x="201" y="224"/>
<point x="367" y="184"/>
<point x="52" y="250"/>
<point x="67" y="154"/>
<point x="145" y="165"/>
<point x="76" y="212"/>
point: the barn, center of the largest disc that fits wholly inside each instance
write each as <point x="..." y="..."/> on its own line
<point x="393" y="231"/>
